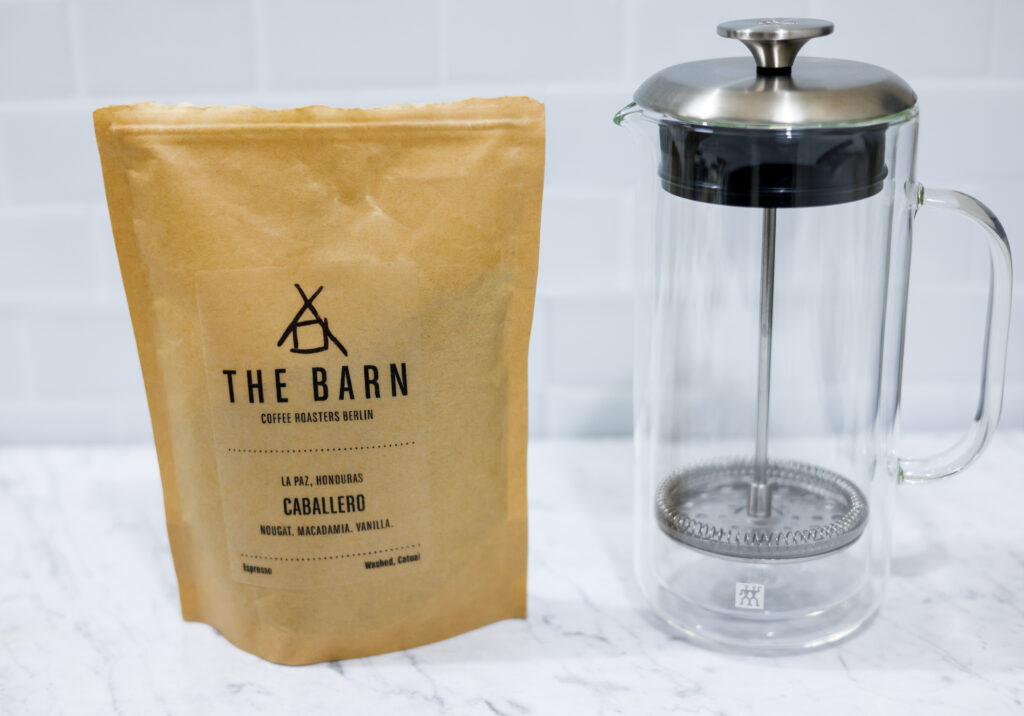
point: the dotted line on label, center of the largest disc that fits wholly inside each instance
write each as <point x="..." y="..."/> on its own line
<point x="328" y="556"/>
<point x="323" y="449"/>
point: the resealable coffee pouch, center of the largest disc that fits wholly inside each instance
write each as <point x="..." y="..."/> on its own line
<point x="332" y="309"/>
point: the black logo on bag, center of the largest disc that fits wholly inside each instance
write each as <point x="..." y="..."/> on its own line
<point x="308" y="316"/>
<point x="309" y="332"/>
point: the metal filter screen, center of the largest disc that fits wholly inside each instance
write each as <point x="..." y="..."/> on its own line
<point x="815" y="511"/>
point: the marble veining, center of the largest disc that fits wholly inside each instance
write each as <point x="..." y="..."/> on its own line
<point x="90" y="624"/>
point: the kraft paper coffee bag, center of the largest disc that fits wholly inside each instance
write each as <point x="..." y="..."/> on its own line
<point x="332" y="309"/>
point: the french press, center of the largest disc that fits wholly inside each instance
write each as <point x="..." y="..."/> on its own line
<point x="772" y="280"/>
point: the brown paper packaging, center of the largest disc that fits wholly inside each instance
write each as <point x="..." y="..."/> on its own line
<point x="332" y="309"/>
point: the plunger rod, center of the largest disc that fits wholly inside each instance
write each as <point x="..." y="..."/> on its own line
<point x="759" y="503"/>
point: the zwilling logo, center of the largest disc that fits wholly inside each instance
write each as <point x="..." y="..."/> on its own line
<point x="315" y="325"/>
<point x="749" y="595"/>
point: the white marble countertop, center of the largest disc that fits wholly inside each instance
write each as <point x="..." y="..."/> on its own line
<point x="89" y="618"/>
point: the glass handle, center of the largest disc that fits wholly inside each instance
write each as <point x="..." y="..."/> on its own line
<point x="997" y="329"/>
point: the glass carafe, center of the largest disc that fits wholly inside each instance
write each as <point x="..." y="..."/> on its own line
<point x="777" y="200"/>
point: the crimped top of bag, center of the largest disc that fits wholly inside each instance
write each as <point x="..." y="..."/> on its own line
<point x="476" y="112"/>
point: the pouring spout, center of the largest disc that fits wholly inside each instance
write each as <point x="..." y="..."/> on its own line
<point x="626" y="112"/>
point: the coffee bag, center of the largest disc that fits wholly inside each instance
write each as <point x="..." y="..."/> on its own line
<point x="332" y="309"/>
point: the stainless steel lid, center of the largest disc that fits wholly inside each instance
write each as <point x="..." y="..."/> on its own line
<point x="778" y="89"/>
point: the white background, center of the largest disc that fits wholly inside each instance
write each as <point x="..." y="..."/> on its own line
<point x="69" y="368"/>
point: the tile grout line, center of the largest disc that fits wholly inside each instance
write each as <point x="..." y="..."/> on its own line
<point x="577" y="89"/>
<point x="72" y="21"/>
<point x="627" y="240"/>
<point x="259" y="48"/>
<point x="24" y="363"/>
<point x="627" y="41"/>
<point x="442" y="68"/>
<point x="6" y="201"/>
<point x="990" y="56"/>
<point x="106" y="294"/>
<point x="50" y="209"/>
<point x="974" y="85"/>
<point x="537" y="385"/>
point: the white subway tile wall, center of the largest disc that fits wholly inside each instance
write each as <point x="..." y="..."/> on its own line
<point x="184" y="46"/>
<point x="70" y="368"/>
<point x="317" y="44"/>
<point x="35" y="51"/>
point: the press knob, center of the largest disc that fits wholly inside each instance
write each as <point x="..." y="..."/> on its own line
<point x="774" y="42"/>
